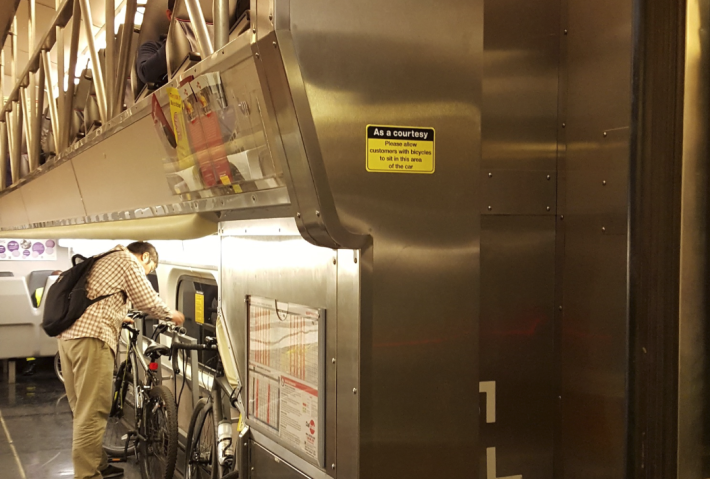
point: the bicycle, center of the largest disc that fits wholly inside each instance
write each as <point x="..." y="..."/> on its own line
<point x="154" y="436"/>
<point x="208" y="451"/>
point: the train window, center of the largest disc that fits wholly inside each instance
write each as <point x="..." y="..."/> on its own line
<point x="197" y="300"/>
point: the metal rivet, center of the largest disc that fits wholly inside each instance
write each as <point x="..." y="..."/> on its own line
<point x="354" y="390"/>
<point x="548" y="177"/>
<point x="603" y="229"/>
<point x="254" y="29"/>
<point x="564" y="125"/>
<point x="644" y="350"/>
<point x="560" y="307"/>
<point x="332" y="466"/>
<point x="562" y="217"/>
<point x="318" y="213"/>
<point x="605" y="134"/>
<point x="355" y="260"/>
<point x="490" y="175"/>
<point x="298" y="215"/>
<point x="490" y="208"/>
<point x="275" y="45"/>
<point x="565" y="32"/>
<point x="548" y="208"/>
<point x="604" y="182"/>
<point x="333" y="360"/>
<point x="253" y="198"/>
<point x="335" y="261"/>
<point x="245" y="444"/>
<point x="256" y="54"/>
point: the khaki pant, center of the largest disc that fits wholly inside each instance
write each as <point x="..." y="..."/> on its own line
<point x="87" y="366"/>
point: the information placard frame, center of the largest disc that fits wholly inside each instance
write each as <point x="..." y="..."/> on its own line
<point x="283" y="310"/>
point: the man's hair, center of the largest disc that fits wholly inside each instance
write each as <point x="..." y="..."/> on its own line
<point x="140" y="247"/>
<point x="171" y="5"/>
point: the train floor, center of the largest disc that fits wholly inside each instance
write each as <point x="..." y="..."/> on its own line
<point x="36" y="428"/>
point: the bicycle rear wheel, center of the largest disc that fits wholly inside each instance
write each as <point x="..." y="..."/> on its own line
<point x="200" y="453"/>
<point x="58" y="367"/>
<point x="158" y="453"/>
<point x="119" y="423"/>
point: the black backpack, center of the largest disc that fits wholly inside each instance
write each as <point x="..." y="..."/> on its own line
<point x="66" y="300"/>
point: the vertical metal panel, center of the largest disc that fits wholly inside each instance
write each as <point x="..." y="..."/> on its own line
<point x="263" y="258"/>
<point x="517" y="341"/>
<point x="352" y="287"/>
<point x="593" y="336"/>
<point x="518" y="178"/>
<point x="394" y="63"/>
<point x="693" y="391"/>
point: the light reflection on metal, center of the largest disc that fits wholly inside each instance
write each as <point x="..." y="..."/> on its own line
<point x="69" y="95"/>
<point x="60" y="101"/>
<point x="110" y="47"/>
<point x="221" y="23"/>
<point x="98" y="78"/>
<point x="124" y="55"/>
<point x="197" y="20"/>
<point x="53" y="115"/>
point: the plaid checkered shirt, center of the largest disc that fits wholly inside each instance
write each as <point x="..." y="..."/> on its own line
<point x="111" y="275"/>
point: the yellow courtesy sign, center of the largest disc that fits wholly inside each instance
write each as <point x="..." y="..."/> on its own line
<point x="200" y="307"/>
<point x="400" y="149"/>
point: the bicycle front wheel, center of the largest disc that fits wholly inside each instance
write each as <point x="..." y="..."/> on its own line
<point x="200" y="453"/>
<point x="158" y="453"/>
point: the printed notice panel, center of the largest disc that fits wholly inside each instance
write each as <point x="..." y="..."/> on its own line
<point x="284" y="374"/>
<point x="28" y="250"/>
<point x="400" y="149"/>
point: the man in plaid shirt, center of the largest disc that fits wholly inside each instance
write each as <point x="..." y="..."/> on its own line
<point x="88" y="348"/>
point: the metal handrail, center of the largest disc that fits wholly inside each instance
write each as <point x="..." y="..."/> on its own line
<point x="21" y="114"/>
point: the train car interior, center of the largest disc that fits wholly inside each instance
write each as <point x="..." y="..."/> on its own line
<point x="381" y="239"/>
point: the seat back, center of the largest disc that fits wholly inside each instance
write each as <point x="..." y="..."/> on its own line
<point x="6" y="274"/>
<point x="19" y="320"/>
<point x="37" y="279"/>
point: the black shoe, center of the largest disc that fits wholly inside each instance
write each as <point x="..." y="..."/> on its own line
<point x="111" y="471"/>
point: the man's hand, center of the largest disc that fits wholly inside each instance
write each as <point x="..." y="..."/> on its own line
<point x="178" y="318"/>
<point x="128" y="320"/>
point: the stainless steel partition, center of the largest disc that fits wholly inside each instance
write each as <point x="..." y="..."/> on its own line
<point x="518" y="205"/>
<point x="596" y="104"/>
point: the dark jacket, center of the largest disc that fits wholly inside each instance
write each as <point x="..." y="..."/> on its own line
<point x="152" y="63"/>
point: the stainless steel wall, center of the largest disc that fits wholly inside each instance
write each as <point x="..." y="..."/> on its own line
<point x="409" y="64"/>
<point x="518" y="179"/>
<point x="594" y="165"/>
<point x="693" y="390"/>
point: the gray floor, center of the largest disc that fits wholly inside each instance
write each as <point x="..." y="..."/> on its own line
<point x="37" y="419"/>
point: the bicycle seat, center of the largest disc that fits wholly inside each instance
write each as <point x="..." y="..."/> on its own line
<point x="156" y="350"/>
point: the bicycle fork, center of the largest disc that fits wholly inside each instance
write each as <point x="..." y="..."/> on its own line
<point x="223" y="426"/>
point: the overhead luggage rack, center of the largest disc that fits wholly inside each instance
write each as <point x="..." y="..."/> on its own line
<point x="196" y="145"/>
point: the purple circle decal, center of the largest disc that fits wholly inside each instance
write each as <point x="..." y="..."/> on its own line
<point x="2" y="255"/>
<point x="2" y="249"/>
<point x="35" y="254"/>
<point x="15" y="253"/>
<point x="26" y="253"/>
<point x="13" y="246"/>
<point x="50" y="251"/>
<point x="38" y="248"/>
<point x="50" y="243"/>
